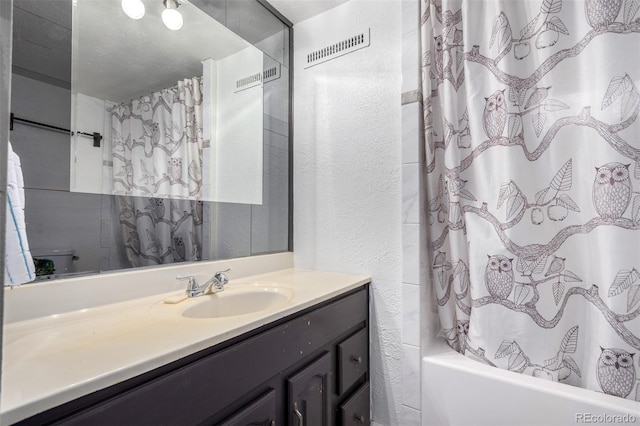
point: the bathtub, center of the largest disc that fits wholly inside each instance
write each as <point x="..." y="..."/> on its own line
<point x="457" y="390"/>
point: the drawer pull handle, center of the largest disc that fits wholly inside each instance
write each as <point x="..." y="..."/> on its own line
<point x="356" y="359"/>
<point x="298" y="414"/>
<point x="359" y="419"/>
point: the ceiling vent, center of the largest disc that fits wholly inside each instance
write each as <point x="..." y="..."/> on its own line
<point x="341" y="48"/>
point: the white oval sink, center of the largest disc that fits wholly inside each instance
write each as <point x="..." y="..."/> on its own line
<point x="237" y="300"/>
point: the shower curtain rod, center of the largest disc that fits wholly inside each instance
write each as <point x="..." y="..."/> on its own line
<point x="97" y="137"/>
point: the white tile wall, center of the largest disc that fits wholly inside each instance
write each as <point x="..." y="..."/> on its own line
<point x="411" y="253"/>
<point x="410" y="55"/>
<point x="232" y="235"/>
<point x="413" y="221"/>
<point x="55" y="219"/>
<point x="410" y="194"/>
<point x="411" y="314"/>
<point x="269" y="221"/>
<point x="410" y="135"/>
<point x="409" y="416"/>
<point x="411" y="376"/>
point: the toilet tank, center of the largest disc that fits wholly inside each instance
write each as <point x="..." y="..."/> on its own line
<point x="62" y="261"/>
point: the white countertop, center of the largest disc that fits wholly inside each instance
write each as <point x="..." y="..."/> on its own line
<point x="54" y="359"/>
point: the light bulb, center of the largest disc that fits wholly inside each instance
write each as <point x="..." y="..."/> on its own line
<point x="133" y="8"/>
<point x="172" y="19"/>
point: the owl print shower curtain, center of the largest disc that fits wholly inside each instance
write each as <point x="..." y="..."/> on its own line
<point x="157" y="146"/>
<point x="533" y="185"/>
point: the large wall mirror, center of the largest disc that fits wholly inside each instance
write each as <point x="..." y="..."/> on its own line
<point x="142" y="145"/>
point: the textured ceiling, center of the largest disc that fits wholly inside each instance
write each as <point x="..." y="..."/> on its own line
<point x="117" y="58"/>
<point x="42" y="39"/>
<point x="115" y="51"/>
<point x="299" y="10"/>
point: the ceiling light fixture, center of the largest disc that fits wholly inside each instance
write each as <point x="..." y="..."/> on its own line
<point x="170" y="16"/>
<point x="133" y="8"/>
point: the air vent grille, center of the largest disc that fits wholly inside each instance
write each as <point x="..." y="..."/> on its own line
<point x="271" y="74"/>
<point x="341" y="48"/>
<point x="256" y="79"/>
<point x="250" y="81"/>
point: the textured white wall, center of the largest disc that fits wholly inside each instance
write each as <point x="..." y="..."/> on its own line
<point x="347" y="171"/>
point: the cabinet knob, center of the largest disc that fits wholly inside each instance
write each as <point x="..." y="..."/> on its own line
<point x="359" y="419"/>
<point x="272" y="423"/>
<point x="356" y="359"/>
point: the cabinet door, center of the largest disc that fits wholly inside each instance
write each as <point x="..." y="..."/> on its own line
<point x="309" y="394"/>
<point x="261" y="412"/>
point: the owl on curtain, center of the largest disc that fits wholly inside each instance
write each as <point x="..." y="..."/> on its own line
<point x="602" y="13"/>
<point x="494" y="117"/>
<point x="439" y="57"/>
<point x="462" y="327"/>
<point x="175" y="169"/>
<point x="499" y="276"/>
<point x="612" y="190"/>
<point x="616" y="373"/>
<point x="179" y="249"/>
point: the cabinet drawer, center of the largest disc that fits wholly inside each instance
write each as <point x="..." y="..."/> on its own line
<point x="353" y="359"/>
<point x="355" y="410"/>
<point x="262" y="411"/>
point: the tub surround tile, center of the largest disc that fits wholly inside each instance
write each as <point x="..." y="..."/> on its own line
<point x="410" y="55"/>
<point x="410" y="97"/>
<point x="233" y="230"/>
<point x="409" y="416"/>
<point x="410" y="195"/>
<point x="410" y="135"/>
<point x="410" y="61"/>
<point x="414" y="231"/>
<point x="411" y="376"/>
<point x="411" y="314"/>
<point x="410" y="13"/>
<point x="423" y="251"/>
<point x="411" y="253"/>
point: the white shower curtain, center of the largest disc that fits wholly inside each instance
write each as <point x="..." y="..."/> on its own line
<point x="158" y="143"/>
<point x="157" y="163"/>
<point x="533" y="182"/>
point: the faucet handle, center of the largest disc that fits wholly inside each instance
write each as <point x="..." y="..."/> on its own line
<point x="222" y="277"/>
<point x="192" y="284"/>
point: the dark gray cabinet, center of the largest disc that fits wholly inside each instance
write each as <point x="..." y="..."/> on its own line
<point x="355" y="410"/>
<point x="310" y="368"/>
<point x="309" y="393"/>
<point x="261" y="412"/>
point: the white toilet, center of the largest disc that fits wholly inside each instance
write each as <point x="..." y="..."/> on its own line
<point x="62" y="258"/>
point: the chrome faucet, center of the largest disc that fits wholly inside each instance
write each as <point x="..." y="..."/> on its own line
<point x="215" y="284"/>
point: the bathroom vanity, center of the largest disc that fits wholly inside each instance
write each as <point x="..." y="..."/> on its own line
<point x="304" y="361"/>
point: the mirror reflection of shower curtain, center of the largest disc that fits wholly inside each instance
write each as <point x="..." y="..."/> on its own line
<point x="157" y="172"/>
<point x="158" y="231"/>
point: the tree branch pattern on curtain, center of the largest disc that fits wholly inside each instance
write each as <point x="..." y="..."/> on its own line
<point x="158" y="143"/>
<point x="533" y="182"/>
<point x="158" y="231"/>
<point x="157" y="171"/>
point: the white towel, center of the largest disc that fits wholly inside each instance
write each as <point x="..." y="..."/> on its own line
<point x="18" y="263"/>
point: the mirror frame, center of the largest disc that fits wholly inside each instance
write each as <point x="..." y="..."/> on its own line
<point x="6" y="43"/>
